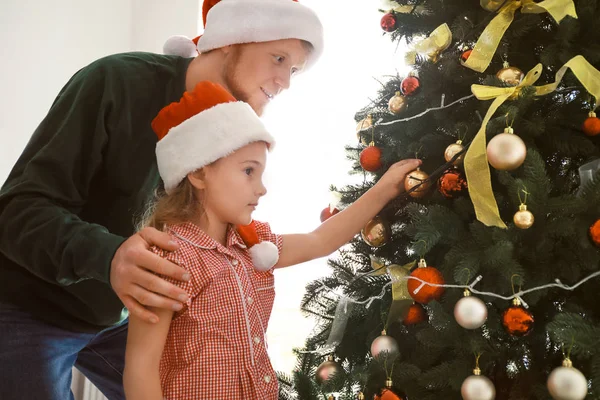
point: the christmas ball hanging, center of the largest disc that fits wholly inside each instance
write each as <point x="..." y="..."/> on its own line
<point x="426" y="293"/>
<point x="385" y="346"/>
<point x="370" y="158"/>
<point x="567" y="383"/>
<point x="591" y="126"/>
<point x="327" y="370"/>
<point x="478" y="387"/>
<point x="388" y="22"/>
<point x="363" y="133"/>
<point x="512" y="76"/>
<point x="517" y="320"/>
<point x="327" y="213"/>
<point x="470" y="312"/>
<point x="360" y="396"/>
<point x="417" y="178"/>
<point x="410" y="85"/>
<point x="506" y="151"/>
<point x="397" y="103"/>
<point x="416" y="314"/>
<point x="595" y="232"/>
<point x="523" y="218"/>
<point x="453" y="150"/>
<point x="452" y="183"/>
<point x="389" y="392"/>
<point x="376" y="232"/>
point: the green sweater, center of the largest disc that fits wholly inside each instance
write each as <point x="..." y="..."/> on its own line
<point x="75" y="193"/>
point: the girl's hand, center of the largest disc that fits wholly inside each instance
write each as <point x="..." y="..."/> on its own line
<point x="391" y="183"/>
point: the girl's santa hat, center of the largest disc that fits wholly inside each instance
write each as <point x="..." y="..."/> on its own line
<point x="228" y="22"/>
<point x="204" y="126"/>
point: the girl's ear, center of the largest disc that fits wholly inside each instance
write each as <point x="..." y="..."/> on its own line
<point x="197" y="178"/>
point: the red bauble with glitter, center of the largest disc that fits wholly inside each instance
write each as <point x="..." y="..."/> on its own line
<point x="595" y="233"/>
<point x="452" y="183"/>
<point x="465" y="55"/>
<point x="410" y="85"/>
<point x="370" y="158"/>
<point x="416" y="314"/>
<point x="427" y="292"/>
<point x="591" y="126"/>
<point x="517" y="320"/>
<point x="327" y="213"/>
<point x="389" y="22"/>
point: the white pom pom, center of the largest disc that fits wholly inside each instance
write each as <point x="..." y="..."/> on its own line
<point x="264" y="256"/>
<point x="181" y="46"/>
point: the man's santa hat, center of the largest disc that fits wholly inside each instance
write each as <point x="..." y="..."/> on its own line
<point x="205" y="125"/>
<point x="228" y="22"/>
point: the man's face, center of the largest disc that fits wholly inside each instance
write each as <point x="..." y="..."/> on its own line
<point x="257" y="72"/>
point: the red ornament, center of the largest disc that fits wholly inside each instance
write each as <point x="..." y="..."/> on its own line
<point x="370" y="158"/>
<point x="416" y="314"/>
<point x="387" y="394"/>
<point x="327" y="212"/>
<point x="427" y="292"/>
<point x="388" y="22"/>
<point x="410" y="85"/>
<point x="452" y="183"/>
<point x="517" y="320"/>
<point x="591" y="126"/>
<point x="595" y="233"/>
<point x="465" y="55"/>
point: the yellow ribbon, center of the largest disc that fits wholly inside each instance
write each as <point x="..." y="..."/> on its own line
<point x="486" y="46"/>
<point x="432" y="46"/>
<point x="476" y="163"/>
<point x="401" y="299"/>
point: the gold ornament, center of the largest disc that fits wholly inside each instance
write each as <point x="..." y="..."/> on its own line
<point x="506" y="151"/>
<point x="567" y="382"/>
<point x="523" y="218"/>
<point x="510" y="75"/>
<point x="360" y="396"/>
<point x="397" y="103"/>
<point x="327" y="370"/>
<point x="453" y="150"/>
<point x="376" y="232"/>
<point x="362" y="133"/>
<point x="414" y="178"/>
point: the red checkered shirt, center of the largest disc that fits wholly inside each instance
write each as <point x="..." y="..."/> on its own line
<point x="216" y="347"/>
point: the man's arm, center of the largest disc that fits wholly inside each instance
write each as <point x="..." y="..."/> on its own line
<point x="48" y="188"/>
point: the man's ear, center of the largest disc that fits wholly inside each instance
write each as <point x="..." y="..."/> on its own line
<point x="197" y="178"/>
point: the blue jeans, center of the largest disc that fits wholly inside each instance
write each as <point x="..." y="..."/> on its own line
<point x="36" y="358"/>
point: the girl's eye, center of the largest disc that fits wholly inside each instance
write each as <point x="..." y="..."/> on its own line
<point x="249" y="170"/>
<point x="279" y="59"/>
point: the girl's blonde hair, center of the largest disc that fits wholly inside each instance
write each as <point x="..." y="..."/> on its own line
<point x="182" y="205"/>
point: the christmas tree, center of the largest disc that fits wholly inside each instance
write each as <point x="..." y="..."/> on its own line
<point x="480" y="282"/>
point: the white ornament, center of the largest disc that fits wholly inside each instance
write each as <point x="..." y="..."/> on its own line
<point x="385" y="346"/>
<point x="264" y="255"/>
<point x="478" y="387"/>
<point x="567" y="383"/>
<point x="470" y="312"/>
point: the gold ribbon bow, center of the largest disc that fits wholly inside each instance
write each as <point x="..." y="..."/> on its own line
<point x="401" y="299"/>
<point x="486" y="46"/>
<point x="432" y="46"/>
<point x="476" y="163"/>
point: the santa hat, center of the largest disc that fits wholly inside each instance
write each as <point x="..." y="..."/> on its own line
<point x="228" y="22"/>
<point x="204" y="126"/>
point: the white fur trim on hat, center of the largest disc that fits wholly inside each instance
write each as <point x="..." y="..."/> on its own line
<point x="264" y="255"/>
<point x="245" y="21"/>
<point x="181" y="46"/>
<point x="205" y="137"/>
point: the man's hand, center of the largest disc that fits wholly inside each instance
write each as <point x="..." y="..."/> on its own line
<point x="132" y="275"/>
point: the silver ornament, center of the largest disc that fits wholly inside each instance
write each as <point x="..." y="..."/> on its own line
<point x="385" y="346"/>
<point x="567" y="383"/>
<point x="327" y="370"/>
<point x="470" y="312"/>
<point x="478" y="387"/>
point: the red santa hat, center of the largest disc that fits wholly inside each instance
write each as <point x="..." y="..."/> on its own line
<point x="204" y="126"/>
<point x="228" y="22"/>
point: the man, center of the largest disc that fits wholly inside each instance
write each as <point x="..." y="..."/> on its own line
<point x="69" y="255"/>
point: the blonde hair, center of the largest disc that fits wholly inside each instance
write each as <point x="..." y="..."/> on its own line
<point x="180" y="206"/>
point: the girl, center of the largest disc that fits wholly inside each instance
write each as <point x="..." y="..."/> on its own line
<point x="211" y="156"/>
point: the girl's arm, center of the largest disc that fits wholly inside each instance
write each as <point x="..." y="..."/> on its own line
<point x="341" y="228"/>
<point x="145" y="344"/>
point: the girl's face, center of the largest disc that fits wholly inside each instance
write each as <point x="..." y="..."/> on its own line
<point x="233" y="185"/>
